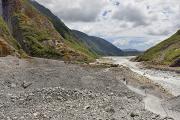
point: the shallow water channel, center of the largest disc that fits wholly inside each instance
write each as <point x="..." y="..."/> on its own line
<point x="168" y="80"/>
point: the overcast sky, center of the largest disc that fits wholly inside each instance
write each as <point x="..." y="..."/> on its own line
<point x="137" y="24"/>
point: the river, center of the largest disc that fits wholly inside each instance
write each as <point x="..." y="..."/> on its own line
<point x="167" y="79"/>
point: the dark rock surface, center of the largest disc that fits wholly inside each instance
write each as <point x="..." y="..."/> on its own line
<point x="176" y="63"/>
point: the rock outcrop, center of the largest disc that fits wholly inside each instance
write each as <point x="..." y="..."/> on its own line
<point x="176" y="63"/>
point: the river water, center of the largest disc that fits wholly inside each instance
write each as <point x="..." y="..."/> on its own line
<point x="168" y="80"/>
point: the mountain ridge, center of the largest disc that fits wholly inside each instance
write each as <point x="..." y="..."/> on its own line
<point x="98" y="45"/>
<point x="71" y="35"/>
<point x="132" y="52"/>
<point x="36" y="34"/>
<point x="166" y="52"/>
<point x="31" y="29"/>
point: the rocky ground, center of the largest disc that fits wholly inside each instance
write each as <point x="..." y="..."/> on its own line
<point x="41" y="89"/>
<point x="161" y="67"/>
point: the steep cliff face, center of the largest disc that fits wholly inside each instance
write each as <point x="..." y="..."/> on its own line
<point x="35" y="33"/>
<point x="8" y="45"/>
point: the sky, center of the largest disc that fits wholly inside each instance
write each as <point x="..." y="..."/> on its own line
<point x="128" y="24"/>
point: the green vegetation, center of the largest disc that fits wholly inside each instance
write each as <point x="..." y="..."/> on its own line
<point x="164" y="53"/>
<point x="5" y="34"/>
<point x="69" y="38"/>
<point x="91" y="46"/>
<point x="36" y="33"/>
<point x="42" y="34"/>
<point x="33" y="38"/>
<point x="98" y="45"/>
<point x="9" y="45"/>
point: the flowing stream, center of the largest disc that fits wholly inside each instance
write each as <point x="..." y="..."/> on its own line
<point x="168" y="80"/>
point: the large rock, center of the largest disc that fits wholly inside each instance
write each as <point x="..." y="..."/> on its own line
<point x="176" y="63"/>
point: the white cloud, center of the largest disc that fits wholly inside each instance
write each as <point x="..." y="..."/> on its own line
<point x="122" y="20"/>
<point x="75" y="10"/>
<point x="121" y="42"/>
<point x="132" y="14"/>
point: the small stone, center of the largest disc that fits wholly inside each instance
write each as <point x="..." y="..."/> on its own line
<point x="155" y="116"/>
<point x="8" y="118"/>
<point x="35" y="114"/>
<point x="113" y="119"/>
<point x="114" y="65"/>
<point x="168" y="118"/>
<point x="110" y="110"/>
<point x="26" y="84"/>
<point x="111" y="93"/>
<point x="59" y="98"/>
<point x="122" y="108"/>
<point x="22" y="118"/>
<point x="87" y="107"/>
<point x="133" y="114"/>
<point x="13" y="85"/>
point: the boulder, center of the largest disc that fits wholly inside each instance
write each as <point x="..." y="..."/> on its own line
<point x="176" y="63"/>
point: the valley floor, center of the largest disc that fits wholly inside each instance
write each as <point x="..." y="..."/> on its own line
<point x="166" y="78"/>
<point x="42" y="89"/>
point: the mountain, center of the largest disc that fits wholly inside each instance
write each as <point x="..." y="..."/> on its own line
<point x="165" y="53"/>
<point x="24" y="28"/>
<point x="28" y="28"/>
<point x="95" y="45"/>
<point x="98" y="45"/>
<point x="63" y="30"/>
<point x="131" y="52"/>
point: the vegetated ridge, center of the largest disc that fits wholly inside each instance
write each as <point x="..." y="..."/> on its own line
<point x="166" y="52"/>
<point x="98" y="45"/>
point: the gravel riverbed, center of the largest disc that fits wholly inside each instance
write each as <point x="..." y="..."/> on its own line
<point x="168" y="79"/>
<point x="42" y="89"/>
